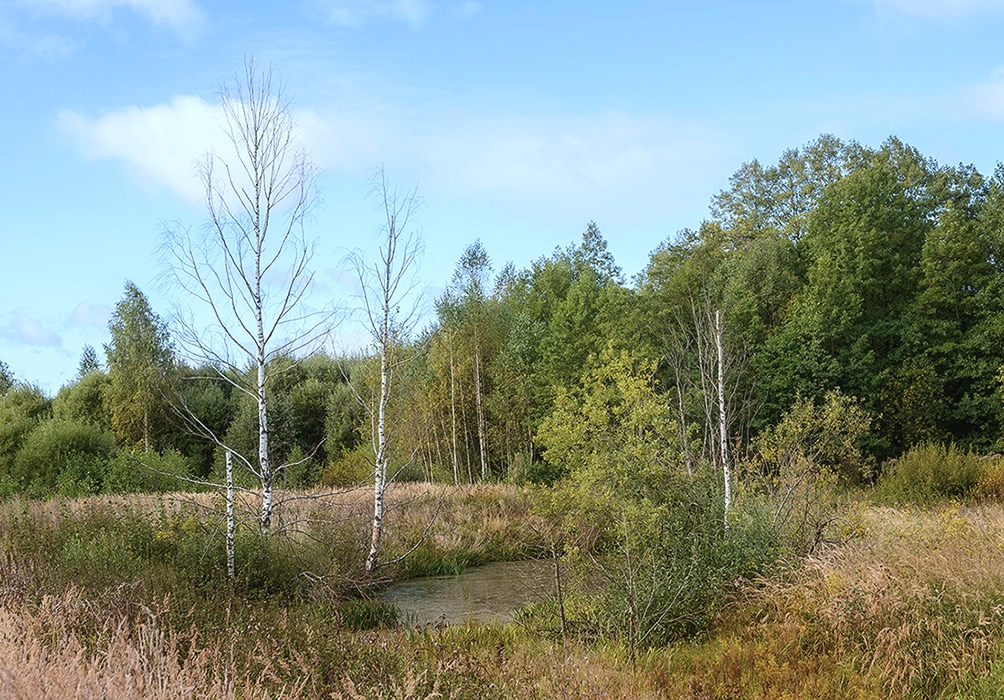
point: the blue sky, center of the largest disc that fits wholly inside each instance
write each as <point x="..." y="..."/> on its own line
<point x="520" y="122"/>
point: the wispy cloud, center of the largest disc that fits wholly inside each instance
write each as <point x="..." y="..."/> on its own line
<point x="541" y="160"/>
<point x="45" y="46"/>
<point x="983" y="99"/>
<point x="22" y="330"/>
<point x="353" y="13"/>
<point x="158" y="144"/>
<point x="941" y="9"/>
<point x="185" y="16"/>
<point x="86" y="315"/>
<point x="469" y="8"/>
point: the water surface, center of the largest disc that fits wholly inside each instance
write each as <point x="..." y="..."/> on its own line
<point x="492" y="592"/>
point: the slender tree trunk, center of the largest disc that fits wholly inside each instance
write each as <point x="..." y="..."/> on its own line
<point x="676" y="359"/>
<point x="706" y="370"/>
<point x="722" y="417"/>
<point x="231" y="572"/>
<point x="380" y="468"/>
<point x="482" y="432"/>
<point x="453" y="416"/>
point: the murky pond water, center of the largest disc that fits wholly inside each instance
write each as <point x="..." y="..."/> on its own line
<point x="491" y="592"/>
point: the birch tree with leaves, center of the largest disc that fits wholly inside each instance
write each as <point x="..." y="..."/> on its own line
<point x="248" y="269"/>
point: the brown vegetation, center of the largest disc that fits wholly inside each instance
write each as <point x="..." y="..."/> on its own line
<point x="912" y="607"/>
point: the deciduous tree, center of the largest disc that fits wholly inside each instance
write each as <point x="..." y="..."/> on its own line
<point x="249" y="267"/>
<point x="140" y="366"/>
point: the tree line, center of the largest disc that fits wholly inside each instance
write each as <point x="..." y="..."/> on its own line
<point x="872" y="272"/>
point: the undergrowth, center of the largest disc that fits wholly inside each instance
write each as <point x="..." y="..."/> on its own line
<point x="126" y="598"/>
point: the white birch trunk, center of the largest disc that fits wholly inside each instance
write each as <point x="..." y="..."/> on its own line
<point x="453" y="416"/>
<point x="482" y="432"/>
<point x="380" y="463"/>
<point x="264" y="468"/>
<point x="722" y="417"/>
<point x="231" y="569"/>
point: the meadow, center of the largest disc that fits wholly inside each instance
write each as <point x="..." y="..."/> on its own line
<point x="127" y="597"/>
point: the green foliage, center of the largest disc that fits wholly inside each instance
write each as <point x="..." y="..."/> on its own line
<point x="147" y="472"/>
<point x="929" y="473"/>
<point x="351" y="469"/>
<point x="140" y="368"/>
<point x="365" y="614"/>
<point x="86" y="401"/>
<point x="88" y="362"/>
<point x="614" y="434"/>
<point x="7" y="379"/>
<point x="342" y="418"/>
<point x="22" y="408"/>
<point x="58" y="446"/>
<point x="667" y="557"/>
<point x="828" y="435"/>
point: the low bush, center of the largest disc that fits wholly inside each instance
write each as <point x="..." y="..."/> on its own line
<point x="61" y="445"/>
<point x="930" y="473"/>
<point x="147" y="472"/>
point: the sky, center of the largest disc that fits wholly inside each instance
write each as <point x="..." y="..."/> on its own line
<point x="517" y="122"/>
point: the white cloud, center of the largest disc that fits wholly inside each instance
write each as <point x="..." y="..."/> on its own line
<point x="540" y="161"/>
<point x="940" y="9"/>
<point x="182" y="15"/>
<point x="596" y="153"/>
<point x="159" y="144"/>
<point x="352" y="13"/>
<point x="86" y="315"/>
<point x="23" y="330"/>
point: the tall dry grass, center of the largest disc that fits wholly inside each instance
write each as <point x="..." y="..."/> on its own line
<point x="42" y="655"/>
<point x="914" y="608"/>
<point x="108" y="597"/>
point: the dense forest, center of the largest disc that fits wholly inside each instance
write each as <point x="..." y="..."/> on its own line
<point x="870" y="274"/>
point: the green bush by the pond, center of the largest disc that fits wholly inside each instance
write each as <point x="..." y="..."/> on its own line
<point x="930" y="473"/>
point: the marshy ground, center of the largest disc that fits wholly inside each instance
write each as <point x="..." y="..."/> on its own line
<point x="125" y="597"/>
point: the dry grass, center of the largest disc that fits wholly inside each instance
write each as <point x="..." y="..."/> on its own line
<point x="43" y="656"/>
<point x="914" y="608"/>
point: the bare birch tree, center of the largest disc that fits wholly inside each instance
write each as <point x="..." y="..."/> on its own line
<point x="390" y="306"/>
<point x="706" y="368"/>
<point x="248" y="269"/>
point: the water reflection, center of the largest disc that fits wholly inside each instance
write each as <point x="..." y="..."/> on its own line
<point x="486" y="593"/>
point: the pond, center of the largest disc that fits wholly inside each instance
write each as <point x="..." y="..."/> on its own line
<point x="488" y="593"/>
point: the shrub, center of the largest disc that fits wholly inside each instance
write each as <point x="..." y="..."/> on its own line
<point x="930" y="473"/>
<point x="147" y="472"/>
<point x="57" y="446"/>
<point x="991" y="483"/>
<point x="353" y="468"/>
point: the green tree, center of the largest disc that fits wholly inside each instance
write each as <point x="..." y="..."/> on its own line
<point x="614" y="434"/>
<point x="63" y="455"/>
<point x="86" y="401"/>
<point x="88" y="362"/>
<point x="22" y="408"/>
<point x="6" y="378"/>
<point x="852" y="324"/>
<point x="140" y="368"/>
<point x="960" y="308"/>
